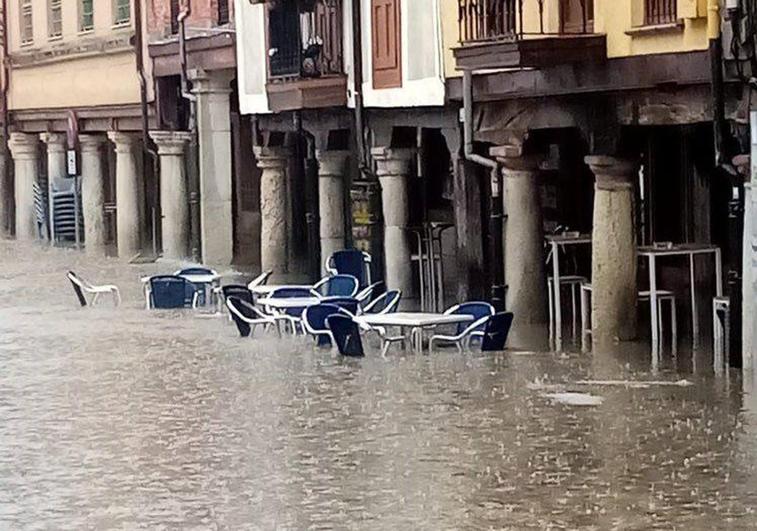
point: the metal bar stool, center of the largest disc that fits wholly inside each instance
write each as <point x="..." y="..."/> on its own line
<point x="662" y="295"/>
<point x="721" y="331"/>
<point x="574" y="282"/>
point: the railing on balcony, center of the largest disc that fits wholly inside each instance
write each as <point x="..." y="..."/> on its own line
<point x="658" y="12"/>
<point x="509" y="20"/>
<point x="305" y="39"/>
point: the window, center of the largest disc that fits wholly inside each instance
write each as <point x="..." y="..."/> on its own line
<point x="27" y="28"/>
<point x="658" y="12"/>
<point x="223" y="12"/>
<point x="175" y="9"/>
<point x="54" y="22"/>
<point x="121" y="12"/>
<point x="86" y="15"/>
<point x="387" y="63"/>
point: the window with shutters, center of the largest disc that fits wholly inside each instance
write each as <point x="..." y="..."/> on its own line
<point x="54" y="20"/>
<point x="86" y="15"/>
<point x="26" y="23"/>
<point x="386" y="47"/>
<point x="121" y="12"/>
<point x="223" y="11"/>
<point x="175" y="9"/>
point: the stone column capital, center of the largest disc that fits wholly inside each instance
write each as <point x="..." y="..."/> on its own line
<point x="272" y="157"/>
<point x="171" y="142"/>
<point x="91" y="143"/>
<point x="393" y="162"/>
<point x="23" y="146"/>
<point x="204" y="82"/>
<point x="332" y="163"/>
<point x="56" y="142"/>
<point x="513" y="161"/>
<point x="125" y="142"/>
<point x="612" y="173"/>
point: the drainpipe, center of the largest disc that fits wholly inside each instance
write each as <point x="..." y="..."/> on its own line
<point x="194" y="148"/>
<point x="150" y="160"/>
<point x="496" y="210"/>
<point x="357" y="89"/>
<point x="716" y="70"/>
<point x="5" y="224"/>
<point x="312" y="213"/>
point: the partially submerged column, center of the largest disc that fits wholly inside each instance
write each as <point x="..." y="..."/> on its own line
<point x="614" y="262"/>
<point x="174" y="197"/>
<point x="214" y="135"/>
<point x="93" y="192"/>
<point x="56" y="168"/>
<point x="24" y="149"/>
<point x="524" y="236"/>
<point x="129" y="194"/>
<point x="332" y="166"/>
<point x="5" y="188"/>
<point x="393" y="167"/>
<point x="274" y="255"/>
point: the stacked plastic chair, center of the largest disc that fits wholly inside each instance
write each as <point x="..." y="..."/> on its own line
<point x="64" y="210"/>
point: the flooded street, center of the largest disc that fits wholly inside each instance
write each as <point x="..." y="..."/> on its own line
<point x="123" y="418"/>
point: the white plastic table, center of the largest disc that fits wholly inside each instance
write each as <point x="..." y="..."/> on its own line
<point x="556" y="241"/>
<point x="284" y="303"/>
<point x="267" y="289"/>
<point x="691" y="250"/>
<point x="415" y="321"/>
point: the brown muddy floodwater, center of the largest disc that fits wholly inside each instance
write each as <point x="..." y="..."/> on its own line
<point x="121" y="418"/>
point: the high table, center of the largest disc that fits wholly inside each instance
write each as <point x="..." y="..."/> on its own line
<point x="652" y="253"/>
<point x="556" y="241"/>
<point x="415" y="321"/>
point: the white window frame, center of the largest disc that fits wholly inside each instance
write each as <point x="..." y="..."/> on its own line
<point x="82" y="27"/>
<point x="26" y="15"/>
<point x="117" y="5"/>
<point x="54" y="19"/>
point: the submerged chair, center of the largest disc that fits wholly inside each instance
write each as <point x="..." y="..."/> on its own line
<point x="387" y="302"/>
<point x="366" y="295"/>
<point x="293" y="316"/>
<point x="195" y="270"/>
<point x="496" y="332"/>
<point x="346" y="335"/>
<point x="481" y="313"/>
<point x="336" y="286"/>
<point x="314" y="321"/>
<point x="259" y="280"/>
<point x="346" y="303"/>
<point x="82" y="287"/>
<point x="351" y="262"/>
<point x="169" y="292"/>
<point x="247" y="317"/>
<point x="222" y="293"/>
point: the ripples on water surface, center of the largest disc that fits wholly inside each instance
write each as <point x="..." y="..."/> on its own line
<point x="124" y="418"/>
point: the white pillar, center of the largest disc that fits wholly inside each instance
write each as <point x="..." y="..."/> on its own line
<point x="174" y="197"/>
<point x="524" y="236"/>
<point x="614" y="261"/>
<point x="214" y="130"/>
<point x="25" y="152"/>
<point x="129" y="193"/>
<point x="393" y="167"/>
<point x="93" y="192"/>
<point x="332" y="166"/>
<point x="748" y="289"/>
<point x="274" y="255"/>
<point x="56" y="167"/>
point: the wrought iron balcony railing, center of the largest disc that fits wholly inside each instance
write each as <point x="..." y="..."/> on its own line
<point x="658" y="12"/>
<point x="305" y="39"/>
<point x="510" y="20"/>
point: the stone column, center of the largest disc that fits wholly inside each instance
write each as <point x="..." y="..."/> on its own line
<point x="614" y="261"/>
<point x="174" y="196"/>
<point x="129" y="193"/>
<point x="274" y="255"/>
<point x="56" y="168"/>
<point x="93" y="192"/>
<point x="5" y="200"/>
<point x="25" y="152"/>
<point x="393" y="167"/>
<point x="332" y="166"/>
<point x="214" y="130"/>
<point x="525" y="276"/>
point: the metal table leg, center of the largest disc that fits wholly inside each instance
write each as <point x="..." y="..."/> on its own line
<point x="653" y="311"/>
<point x="556" y="298"/>
<point x="694" y="315"/>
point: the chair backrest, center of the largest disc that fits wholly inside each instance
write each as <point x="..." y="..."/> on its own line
<point x="290" y="293"/>
<point x="387" y="302"/>
<point x="195" y="270"/>
<point x="345" y="303"/>
<point x="77" y="284"/>
<point x="496" y="332"/>
<point x="243" y="313"/>
<point x="337" y="286"/>
<point x="352" y="262"/>
<point x="169" y="291"/>
<point x="260" y="280"/>
<point x="314" y="319"/>
<point x="476" y="309"/>
<point x="346" y="335"/>
<point x="238" y="291"/>
<point x="366" y="295"/>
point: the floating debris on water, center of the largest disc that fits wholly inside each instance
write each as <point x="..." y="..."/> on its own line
<point x="575" y="399"/>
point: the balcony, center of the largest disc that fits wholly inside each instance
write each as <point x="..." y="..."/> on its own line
<point x="305" y="55"/>
<point x="526" y="33"/>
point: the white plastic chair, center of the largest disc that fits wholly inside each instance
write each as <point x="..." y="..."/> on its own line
<point x="84" y="288"/>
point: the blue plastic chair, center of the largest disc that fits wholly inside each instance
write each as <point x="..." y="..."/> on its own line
<point x="351" y="262"/>
<point x="481" y="313"/>
<point x="237" y="290"/>
<point x="387" y="302"/>
<point x="169" y="291"/>
<point x="195" y="270"/>
<point x="346" y="303"/>
<point x="246" y="316"/>
<point x="337" y="286"/>
<point x="346" y="335"/>
<point x="366" y="295"/>
<point x="314" y="321"/>
<point x="496" y="332"/>
<point x="291" y="315"/>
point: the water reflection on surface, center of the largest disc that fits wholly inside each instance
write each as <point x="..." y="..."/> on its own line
<point x="124" y="418"/>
